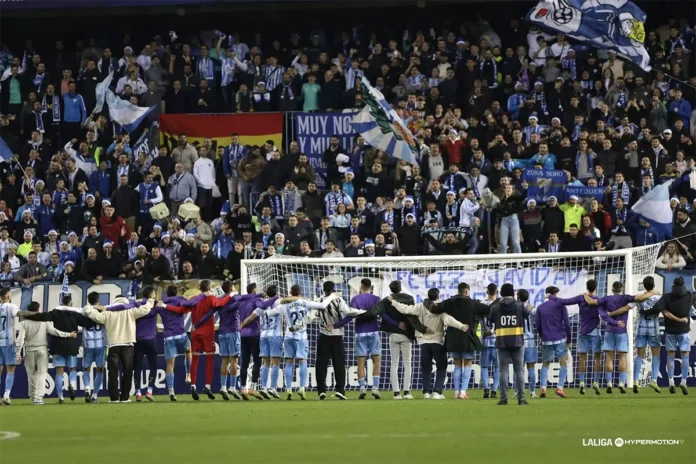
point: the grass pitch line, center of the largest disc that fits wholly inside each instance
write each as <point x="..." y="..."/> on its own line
<point x="9" y="435"/>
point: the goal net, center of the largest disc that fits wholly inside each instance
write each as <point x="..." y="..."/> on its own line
<point x="534" y="272"/>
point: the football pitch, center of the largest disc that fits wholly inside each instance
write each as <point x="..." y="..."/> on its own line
<point x="549" y="430"/>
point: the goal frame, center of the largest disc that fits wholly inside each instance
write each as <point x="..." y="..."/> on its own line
<point x="626" y="254"/>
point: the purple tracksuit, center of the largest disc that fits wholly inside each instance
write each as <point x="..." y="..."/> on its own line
<point x="589" y="314"/>
<point x="247" y="305"/>
<point x="173" y="323"/>
<point x="552" y="321"/>
<point x="611" y="303"/>
<point x="362" y="325"/>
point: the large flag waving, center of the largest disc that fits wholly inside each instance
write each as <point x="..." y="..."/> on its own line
<point x="124" y="113"/>
<point x="382" y="128"/>
<point x="611" y="24"/>
<point x="654" y="208"/>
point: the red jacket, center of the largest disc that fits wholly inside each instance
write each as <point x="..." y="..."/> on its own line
<point x="199" y="306"/>
<point x="111" y="228"/>
<point x="454" y="151"/>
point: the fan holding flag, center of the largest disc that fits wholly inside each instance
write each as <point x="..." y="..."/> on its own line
<point x="652" y="221"/>
<point x="609" y="24"/>
<point x="382" y="127"/>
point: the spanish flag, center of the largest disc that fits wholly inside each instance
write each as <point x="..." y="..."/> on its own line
<point x="253" y="128"/>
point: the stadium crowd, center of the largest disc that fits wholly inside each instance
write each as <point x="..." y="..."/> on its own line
<point x="485" y="103"/>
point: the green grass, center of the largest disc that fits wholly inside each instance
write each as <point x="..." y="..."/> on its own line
<point x="421" y="431"/>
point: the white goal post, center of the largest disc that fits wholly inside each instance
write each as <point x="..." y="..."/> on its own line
<point x="534" y="272"/>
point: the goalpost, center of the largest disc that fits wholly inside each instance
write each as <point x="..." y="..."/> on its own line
<point x="534" y="272"/>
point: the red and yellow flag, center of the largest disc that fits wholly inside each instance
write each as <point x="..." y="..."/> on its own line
<point x="253" y="129"/>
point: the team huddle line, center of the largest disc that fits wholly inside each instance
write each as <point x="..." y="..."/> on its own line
<point x="275" y="329"/>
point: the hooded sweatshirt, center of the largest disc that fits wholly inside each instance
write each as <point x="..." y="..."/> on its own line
<point x="679" y="302"/>
<point x="507" y="316"/>
<point x="435" y="322"/>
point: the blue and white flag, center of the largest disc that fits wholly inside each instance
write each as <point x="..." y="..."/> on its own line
<point x="654" y="208"/>
<point x="382" y="128"/>
<point x="610" y="24"/>
<point x="122" y="112"/>
<point x="544" y="183"/>
<point x="583" y="192"/>
<point x="65" y="287"/>
<point x="5" y="151"/>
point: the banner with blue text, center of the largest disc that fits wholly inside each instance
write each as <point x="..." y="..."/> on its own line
<point x="313" y="132"/>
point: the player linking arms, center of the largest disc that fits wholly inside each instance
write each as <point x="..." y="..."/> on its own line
<point x="589" y="336"/>
<point x="431" y="344"/>
<point x="676" y="306"/>
<point x="203" y="338"/>
<point x="648" y="335"/>
<point x="296" y="345"/>
<point x="613" y="309"/>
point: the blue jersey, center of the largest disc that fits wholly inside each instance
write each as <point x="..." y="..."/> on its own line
<point x="271" y="324"/>
<point x="530" y="332"/>
<point x="649" y="325"/>
<point x="488" y="341"/>
<point x="296" y="313"/>
<point x="8" y="317"/>
<point x="94" y="337"/>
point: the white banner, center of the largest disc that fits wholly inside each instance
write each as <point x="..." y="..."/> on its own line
<point x="571" y="282"/>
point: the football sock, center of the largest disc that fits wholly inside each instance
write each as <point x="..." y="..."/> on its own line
<point x="303" y="373"/>
<point x="544" y="376"/>
<point x="467" y="377"/>
<point x="637" y="366"/>
<point x="275" y="374"/>
<point x="562" y="374"/>
<point x="655" y="368"/>
<point x="457" y="378"/>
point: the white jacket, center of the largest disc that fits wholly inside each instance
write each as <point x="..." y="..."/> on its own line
<point x="120" y="325"/>
<point x="676" y="261"/>
<point x="435" y="322"/>
<point x="32" y="335"/>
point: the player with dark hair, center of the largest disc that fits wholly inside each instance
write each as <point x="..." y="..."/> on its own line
<point x="648" y="335"/>
<point x="553" y="327"/>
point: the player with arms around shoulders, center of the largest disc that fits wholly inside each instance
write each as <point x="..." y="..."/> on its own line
<point x="553" y="327"/>
<point x="9" y="354"/>
<point x="589" y="336"/>
<point x="271" y="342"/>
<point x="613" y="309"/>
<point x="676" y="306"/>
<point x="531" y="352"/>
<point x="648" y="335"/>
<point x="296" y="344"/>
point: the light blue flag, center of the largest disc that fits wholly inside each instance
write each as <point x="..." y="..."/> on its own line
<point x="382" y="128"/>
<point x="5" y="151"/>
<point x="609" y="24"/>
<point x="122" y="112"/>
<point x="654" y="208"/>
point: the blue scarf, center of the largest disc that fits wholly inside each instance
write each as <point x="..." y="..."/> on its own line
<point x="276" y="206"/>
<point x="648" y="171"/>
<point x="452" y="211"/>
<point x="623" y="99"/>
<point x="621" y="215"/>
<point x="228" y="69"/>
<point x="206" y="69"/>
<point x="625" y="192"/>
<point x="38" y="80"/>
<point x="64" y="290"/>
<point x="39" y="121"/>
<point x="332" y="202"/>
<point x="290" y="202"/>
<point x="570" y="65"/>
<point x="133" y="288"/>
<point x="576" y="132"/>
<point x="494" y="75"/>
<point x="474" y="186"/>
<point x="600" y="180"/>
<point x="55" y="106"/>
<point x="132" y="247"/>
<point x="554" y="248"/>
<point x="288" y="87"/>
<point x="406" y="211"/>
<point x="389" y="218"/>
<point x="540" y="98"/>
